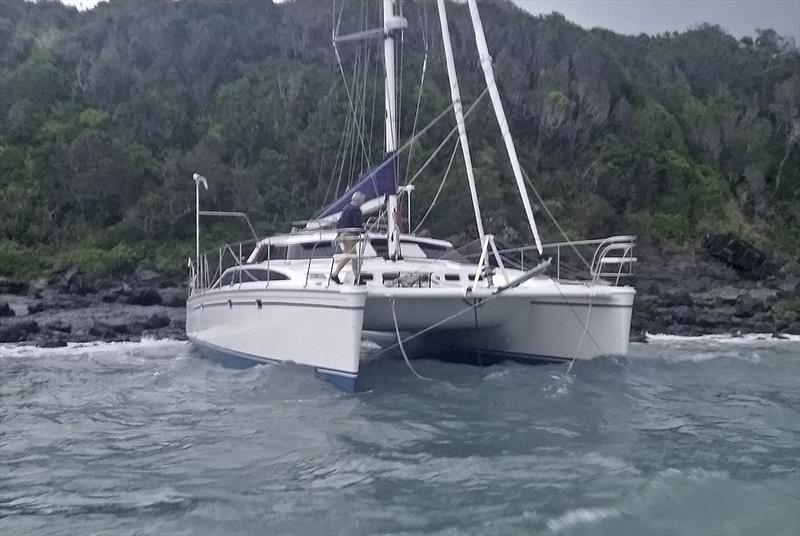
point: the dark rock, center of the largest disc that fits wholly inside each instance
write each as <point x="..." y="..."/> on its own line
<point x="81" y="336"/>
<point x="745" y="308"/>
<point x="145" y="296"/>
<point x="776" y="335"/>
<point x="174" y="297"/>
<point x="12" y="286"/>
<point x="686" y="330"/>
<point x="156" y="321"/>
<point x="5" y="309"/>
<point x="108" y="330"/>
<point x="109" y="297"/>
<point x="58" y="325"/>
<point x="674" y="298"/>
<point x="36" y="307"/>
<point x="759" y="323"/>
<point x="146" y="274"/>
<point x="738" y="254"/>
<point x="73" y="281"/>
<point x="17" y="331"/>
<point x="684" y="314"/>
<point x="56" y="341"/>
<point x="12" y="333"/>
<point x="638" y="336"/>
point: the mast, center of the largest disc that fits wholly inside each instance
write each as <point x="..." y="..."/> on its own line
<point x="390" y="89"/>
<point x="488" y="73"/>
<point x="455" y="94"/>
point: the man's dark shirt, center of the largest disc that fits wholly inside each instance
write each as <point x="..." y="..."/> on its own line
<point x="351" y="218"/>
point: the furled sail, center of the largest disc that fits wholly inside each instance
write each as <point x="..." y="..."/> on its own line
<point x="373" y="183"/>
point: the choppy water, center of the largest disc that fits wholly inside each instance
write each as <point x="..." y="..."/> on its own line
<point x="681" y="437"/>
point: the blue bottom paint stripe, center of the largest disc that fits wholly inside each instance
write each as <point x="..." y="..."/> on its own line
<point x="346" y="381"/>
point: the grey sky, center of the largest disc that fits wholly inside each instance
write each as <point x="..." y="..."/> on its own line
<point x="739" y="17"/>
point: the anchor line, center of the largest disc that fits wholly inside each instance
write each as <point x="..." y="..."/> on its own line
<point x="400" y="343"/>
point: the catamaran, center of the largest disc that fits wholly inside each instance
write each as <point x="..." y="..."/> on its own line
<point x="274" y="298"/>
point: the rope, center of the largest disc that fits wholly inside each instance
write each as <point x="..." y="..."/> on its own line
<point x="400" y="344"/>
<point x="439" y="191"/>
<point x="585" y="331"/>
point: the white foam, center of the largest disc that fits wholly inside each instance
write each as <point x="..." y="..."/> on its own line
<point x="581" y="516"/>
<point x="22" y="350"/>
<point x="742" y="339"/>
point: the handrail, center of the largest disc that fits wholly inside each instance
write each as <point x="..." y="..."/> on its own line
<point x="602" y="257"/>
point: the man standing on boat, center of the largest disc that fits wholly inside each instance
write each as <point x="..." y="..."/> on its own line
<point x="351" y="222"/>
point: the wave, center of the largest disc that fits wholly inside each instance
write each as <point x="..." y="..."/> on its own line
<point x="740" y="339"/>
<point x="581" y="516"/>
<point x="23" y="350"/>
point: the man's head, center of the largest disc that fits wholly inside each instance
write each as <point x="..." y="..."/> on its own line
<point x="357" y="199"/>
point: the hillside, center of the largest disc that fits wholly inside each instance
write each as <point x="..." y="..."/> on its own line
<point x="105" y="114"/>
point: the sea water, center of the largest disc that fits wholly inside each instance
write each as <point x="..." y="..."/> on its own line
<point x="683" y="436"/>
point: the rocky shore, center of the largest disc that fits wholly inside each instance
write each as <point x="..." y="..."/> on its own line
<point x="724" y="287"/>
<point x="72" y="307"/>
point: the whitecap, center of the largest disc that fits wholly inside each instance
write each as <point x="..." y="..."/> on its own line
<point x="23" y="350"/>
<point x="581" y="516"/>
<point x="747" y="338"/>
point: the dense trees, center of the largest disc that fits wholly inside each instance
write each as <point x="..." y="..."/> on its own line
<point x="105" y="114"/>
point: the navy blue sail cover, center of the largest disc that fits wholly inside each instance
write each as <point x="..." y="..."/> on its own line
<point x="375" y="182"/>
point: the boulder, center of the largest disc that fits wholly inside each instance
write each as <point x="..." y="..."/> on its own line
<point x="147" y="275"/>
<point x="638" y="336"/>
<point x="174" y="297"/>
<point x="56" y="340"/>
<point x="5" y="309"/>
<point x="17" y="331"/>
<point x="108" y="329"/>
<point x="156" y="321"/>
<point x="684" y="315"/>
<point x="739" y="255"/>
<point x="12" y="286"/>
<point x="12" y="333"/>
<point x="58" y="325"/>
<point x="36" y="307"/>
<point x="145" y="296"/>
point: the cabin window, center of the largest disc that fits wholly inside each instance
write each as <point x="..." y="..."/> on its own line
<point x="271" y="253"/>
<point x="311" y="250"/>
<point x="451" y="277"/>
<point x="251" y="274"/>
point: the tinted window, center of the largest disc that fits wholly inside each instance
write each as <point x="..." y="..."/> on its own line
<point x="319" y="250"/>
<point x="275" y="252"/>
<point x="253" y="274"/>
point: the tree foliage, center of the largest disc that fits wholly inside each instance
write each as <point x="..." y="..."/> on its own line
<point x="106" y="113"/>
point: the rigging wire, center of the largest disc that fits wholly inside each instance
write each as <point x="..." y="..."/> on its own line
<point x="439" y="191"/>
<point x="553" y="219"/>
<point x="421" y="84"/>
<point x="350" y="99"/>
<point x="449" y="135"/>
<point x="330" y="99"/>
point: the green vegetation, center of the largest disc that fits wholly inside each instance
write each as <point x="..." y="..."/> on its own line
<point x="105" y="114"/>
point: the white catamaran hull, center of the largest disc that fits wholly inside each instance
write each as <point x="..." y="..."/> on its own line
<point x="318" y="328"/>
<point x="550" y="328"/>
